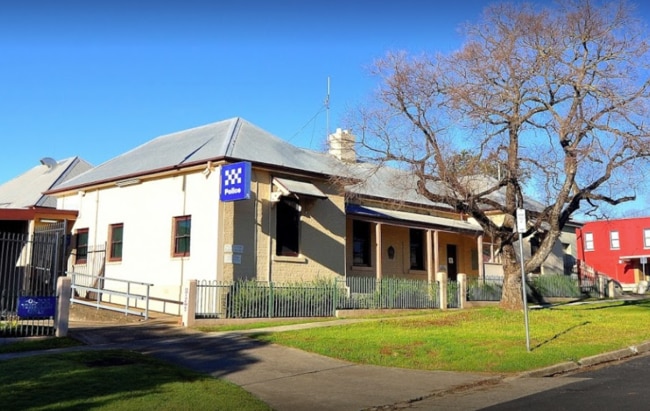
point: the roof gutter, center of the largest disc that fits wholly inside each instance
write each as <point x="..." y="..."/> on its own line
<point x="166" y="171"/>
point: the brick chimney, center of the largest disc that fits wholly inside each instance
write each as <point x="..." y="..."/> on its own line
<point x="341" y="145"/>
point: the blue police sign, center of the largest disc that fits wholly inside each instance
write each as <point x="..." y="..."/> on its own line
<point x="36" y="307"/>
<point x="235" y="181"/>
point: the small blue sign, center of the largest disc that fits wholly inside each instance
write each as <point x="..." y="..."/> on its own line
<point x="236" y="181"/>
<point x="36" y="307"/>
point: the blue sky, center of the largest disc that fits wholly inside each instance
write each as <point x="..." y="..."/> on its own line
<point x="95" y="79"/>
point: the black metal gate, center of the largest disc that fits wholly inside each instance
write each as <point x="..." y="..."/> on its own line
<point x="29" y="268"/>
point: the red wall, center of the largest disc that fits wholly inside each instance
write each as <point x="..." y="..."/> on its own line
<point x="607" y="261"/>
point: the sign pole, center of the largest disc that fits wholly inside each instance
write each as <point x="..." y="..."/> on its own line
<point x="521" y="228"/>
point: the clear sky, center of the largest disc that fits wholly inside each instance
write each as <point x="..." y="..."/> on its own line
<point x="95" y="79"/>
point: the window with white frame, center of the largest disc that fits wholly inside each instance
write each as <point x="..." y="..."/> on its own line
<point x="646" y="238"/>
<point x="614" y="241"/>
<point x="589" y="241"/>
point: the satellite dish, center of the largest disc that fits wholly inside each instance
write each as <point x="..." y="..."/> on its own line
<point x="49" y="162"/>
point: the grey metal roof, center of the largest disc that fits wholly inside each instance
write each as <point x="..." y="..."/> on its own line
<point x="239" y="139"/>
<point x="389" y="183"/>
<point x="401" y="186"/>
<point x="27" y="189"/>
<point x="233" y="138"/>
<point x="288" y="186"/>
<point x="387" y="214"/>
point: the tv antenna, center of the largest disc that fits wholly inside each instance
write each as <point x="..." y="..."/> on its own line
<point x="327" y="109"/>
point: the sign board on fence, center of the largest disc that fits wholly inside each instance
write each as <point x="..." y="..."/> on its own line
<point x="36" y="307"/>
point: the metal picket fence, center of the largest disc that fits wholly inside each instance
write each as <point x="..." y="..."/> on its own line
<point x="484" y="289"/>
<point x="549" y="286"/>
<point x="389" y="293"/>
<point x="253" y="299"/>
<point x="559" y="285"/>
<point x="28" y="276"/>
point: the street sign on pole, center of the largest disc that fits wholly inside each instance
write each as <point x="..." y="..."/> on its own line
<point x="521" y="228"/>
<point x="521" y="220"/>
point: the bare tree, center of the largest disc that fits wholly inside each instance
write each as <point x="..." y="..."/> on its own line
<point x="557" y="97"/>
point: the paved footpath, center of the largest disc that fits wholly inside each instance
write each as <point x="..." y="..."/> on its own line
<point x="293" y="380"/>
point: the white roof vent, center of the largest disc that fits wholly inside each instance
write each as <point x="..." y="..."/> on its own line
<point x="49" y="162"/>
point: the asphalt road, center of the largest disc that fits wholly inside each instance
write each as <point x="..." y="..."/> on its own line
<point x="623" y="386"/>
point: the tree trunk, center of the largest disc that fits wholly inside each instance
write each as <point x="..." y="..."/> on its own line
<point x="512" y="297"/>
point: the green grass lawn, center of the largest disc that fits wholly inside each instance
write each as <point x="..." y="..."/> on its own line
<point x="480" y="340"/>
<point x="37" y="344"/>
<point x="477" y="340"/>
<point x="113" y="380"/>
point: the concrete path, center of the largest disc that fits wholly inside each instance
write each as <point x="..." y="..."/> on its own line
<point x="285" y="378"/>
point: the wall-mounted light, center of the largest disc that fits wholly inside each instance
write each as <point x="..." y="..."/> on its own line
<point x="391" y="252"/>
<point x="48" y="221"/>
<point x="129" y="182"/>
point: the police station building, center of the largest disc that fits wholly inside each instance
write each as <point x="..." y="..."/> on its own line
<point x="229" y="201"/>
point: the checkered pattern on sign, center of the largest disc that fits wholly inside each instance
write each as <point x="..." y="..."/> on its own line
<point x="233" y="176"/>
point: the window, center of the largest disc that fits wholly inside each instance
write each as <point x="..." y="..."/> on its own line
<point x="115" y="232"/>
<point x="182" y="228"/>
<point x="534" y="245"/>
<point x="287" y="230"/>
<point x="474" y="257"/>
<point x="589" y="241"/>
<point x="361" y="243"/>
<point x="417" y="249"/>
<point x="82" y="246"/>
<point x="614" y="241"/>
<point x="646" y="238"/>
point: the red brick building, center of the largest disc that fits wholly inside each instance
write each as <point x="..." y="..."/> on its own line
<point x="619" y="249"/>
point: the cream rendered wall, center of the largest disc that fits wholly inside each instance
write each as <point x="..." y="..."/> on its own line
<point x="147" y="210"/>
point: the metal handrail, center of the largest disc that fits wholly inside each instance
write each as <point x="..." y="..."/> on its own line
<point x="100" y="288"/>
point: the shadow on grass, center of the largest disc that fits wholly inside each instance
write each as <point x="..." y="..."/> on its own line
<point x="588" y="302"/>
<point x="94" y="378"/>
<point x="213" y="353"/>
<point x="84" y="380"/>
<point x="625" y="303"/>
<point x="558" y="335"/>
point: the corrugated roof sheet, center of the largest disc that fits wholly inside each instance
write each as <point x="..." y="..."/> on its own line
<point x="27" y="189"/>
<point x="235" y="138"/>
<point x="298" y="187"/>
<point x="389" y="183"/>
<point x="239" y="139"/>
